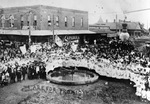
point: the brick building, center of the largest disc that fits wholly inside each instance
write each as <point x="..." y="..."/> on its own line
<point x="42" y="20"/>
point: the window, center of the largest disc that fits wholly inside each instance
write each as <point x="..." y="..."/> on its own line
<point x="11" y="21"/>
<point x="73" y="22"/>
<point x="66" y="19"/>
<point x="57" y="21"/>
<point x="81" y="22"/>
<point x="49" y="21"/>
<point x="22" y="21"/>
<point x="35" y="22"/>
<point x="3" y="21"/>
<point x="28" y="20"/>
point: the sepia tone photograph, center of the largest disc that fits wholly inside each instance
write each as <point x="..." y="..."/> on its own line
<point x="74" y="51"/>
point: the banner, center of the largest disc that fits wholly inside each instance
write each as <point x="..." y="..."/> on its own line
<point x="33" y="48"/>
<point x="23" y="49"/>
<point x="74" y="47"/>
<point x="58" y="41"/>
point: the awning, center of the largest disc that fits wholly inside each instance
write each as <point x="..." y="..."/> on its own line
<point x="73" y="32"/>
<point x="26" y="32"/>
<point x="46" y="32"/>
<point x="112" y="35"/>
<point x="102" y="31"/>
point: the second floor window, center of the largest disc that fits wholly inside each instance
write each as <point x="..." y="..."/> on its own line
<point x="73" y="22"/>
<point x="35" y="21"/>
<point x="3" y="20"/>
<point x="81" y="22"/>
<point x="66" y="19"/>
<point x="49" y="21"/>
<point x="22" y="21"/>
<point x="28" y="21"/>
<point x="11" y="21"/>
<point x="57" y="21"/>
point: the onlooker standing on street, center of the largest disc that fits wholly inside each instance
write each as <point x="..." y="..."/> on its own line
<point x="24" y="71"/>
<point x="18" y="73"/>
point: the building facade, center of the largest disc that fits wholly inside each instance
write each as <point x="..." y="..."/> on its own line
<point x="32" y="22"/>
<point x="41" y="17"/>
<point x="133" y="28"/>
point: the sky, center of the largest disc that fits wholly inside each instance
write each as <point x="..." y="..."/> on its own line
<point x="104" y="9"/>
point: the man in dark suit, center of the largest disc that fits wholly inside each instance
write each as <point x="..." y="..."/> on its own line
<point x="19" y="74"/>
<point x="42" y="72"/>
<point x="24" y="71"/>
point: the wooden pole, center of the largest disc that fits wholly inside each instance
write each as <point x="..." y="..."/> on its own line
<point x="30" y="28"/>
<point x="53" y="31"/>
<point x="116" y="23"/>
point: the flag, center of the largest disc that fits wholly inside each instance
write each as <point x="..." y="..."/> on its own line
<point x="23" y="49"/>
<point x="58" y="41"/>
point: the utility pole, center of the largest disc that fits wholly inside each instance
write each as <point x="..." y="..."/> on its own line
<point x="53" y="31"/>
<point x="116" y="23"/>
<point x="29" y="28"/>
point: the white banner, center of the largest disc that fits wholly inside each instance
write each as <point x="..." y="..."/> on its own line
<point x="33" y="48"/>
<point x="58" y="41"/>
<point x="23" y="49"/>
<point x="74" y="47"/>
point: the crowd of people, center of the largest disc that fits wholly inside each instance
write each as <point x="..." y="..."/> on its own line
<point x="17" y="73"/>
<point x="12" y="66"/>
<point x="108" y="56"/>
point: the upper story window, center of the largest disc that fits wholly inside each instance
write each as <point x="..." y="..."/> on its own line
<point x="3" y="17"/>
<point x="35" y="18"/>
<point x="81" y="22"/>
<point x="73" y="22"/>
<point x="66" y="20"/>
<point x="21" y="18"/>
<point x="57" y="20"/>
<point x="28" y="20"/>
<point x="11" y="21"/>
<point x="35" y="21"/>
<point x="49" y="21"/>
<point x="3" y="20"/>
<point x="22" y="21"/>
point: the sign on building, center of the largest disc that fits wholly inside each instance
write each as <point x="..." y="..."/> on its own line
<point x="72" y="37"/>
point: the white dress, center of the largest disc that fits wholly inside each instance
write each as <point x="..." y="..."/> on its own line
<point x="138" y="91"/>
<point x="144" y="94"/>
<point x="148" y="95"/>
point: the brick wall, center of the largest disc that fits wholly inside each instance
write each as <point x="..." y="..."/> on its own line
<point x="42" y="13"/>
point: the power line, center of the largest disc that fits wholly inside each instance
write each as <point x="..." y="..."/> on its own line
<point x="124" y="12"/>
<point x="140" y="10"/>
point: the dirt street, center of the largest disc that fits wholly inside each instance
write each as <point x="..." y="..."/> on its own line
<point x="104" y="91"/>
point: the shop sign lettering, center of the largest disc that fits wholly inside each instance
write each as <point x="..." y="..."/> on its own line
<point x="72" y="37"/>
